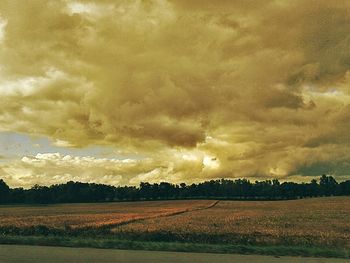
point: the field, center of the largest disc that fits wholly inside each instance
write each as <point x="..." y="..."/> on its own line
<point x="317" y="222"/>
<point x="321" y="221"/>
<point x="75" y="216"/>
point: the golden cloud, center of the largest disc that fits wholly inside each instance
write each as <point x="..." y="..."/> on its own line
<point x="256" y="89"/>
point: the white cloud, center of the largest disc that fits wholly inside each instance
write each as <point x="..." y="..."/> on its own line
<point x="62" y="143"/>
<point x="3" y="24"/>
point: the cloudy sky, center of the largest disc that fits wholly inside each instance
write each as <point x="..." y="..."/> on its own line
<point x="120" y="92"/>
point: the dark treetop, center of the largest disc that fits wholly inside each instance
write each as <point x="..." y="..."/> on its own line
<point x="241" y="189"/>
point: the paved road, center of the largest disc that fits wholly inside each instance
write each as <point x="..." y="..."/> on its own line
<point x="37" y="254"/>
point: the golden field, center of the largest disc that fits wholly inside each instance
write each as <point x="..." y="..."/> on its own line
<point x="92" y="215"/>
<point x="314" y="221"/>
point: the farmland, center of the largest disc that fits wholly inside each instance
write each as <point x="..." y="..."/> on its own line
<point x="314" y="222"/>
<point x="95" y="215"/>
<point x="321" y="221"/>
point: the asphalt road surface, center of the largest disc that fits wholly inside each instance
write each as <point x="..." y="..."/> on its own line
<point x="37" y="254"/>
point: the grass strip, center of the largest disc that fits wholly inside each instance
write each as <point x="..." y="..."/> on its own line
<point x="304" y="251"/>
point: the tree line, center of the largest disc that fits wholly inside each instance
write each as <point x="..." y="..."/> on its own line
<point x="241" y="189"/>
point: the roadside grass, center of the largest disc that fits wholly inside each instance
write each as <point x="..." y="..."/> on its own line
<point x="103" y="242"/>
<point x="255" y="239"/>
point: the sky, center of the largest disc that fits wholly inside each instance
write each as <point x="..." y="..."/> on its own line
<point x="120" y="92"/>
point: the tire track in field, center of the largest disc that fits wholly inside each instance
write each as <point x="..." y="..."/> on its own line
<point x="109" y="226"/>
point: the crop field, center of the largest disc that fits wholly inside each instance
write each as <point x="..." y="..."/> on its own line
<point x="92" y="215"/>
<point x="319" y="221"/>
<point x="322" y="222"/>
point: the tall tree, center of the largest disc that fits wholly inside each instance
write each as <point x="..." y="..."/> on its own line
<point x="4" y="192"/>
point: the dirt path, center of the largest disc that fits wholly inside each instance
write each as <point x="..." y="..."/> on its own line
<point x="38" y="254"/>
<point x="109" y="226"/>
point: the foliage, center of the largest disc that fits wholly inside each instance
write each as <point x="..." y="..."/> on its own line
<point x="4" y="192"/>
<point x="77" y="192"/>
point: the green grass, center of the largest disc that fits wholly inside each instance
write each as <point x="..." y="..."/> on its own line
<point x="175" y="246"/>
